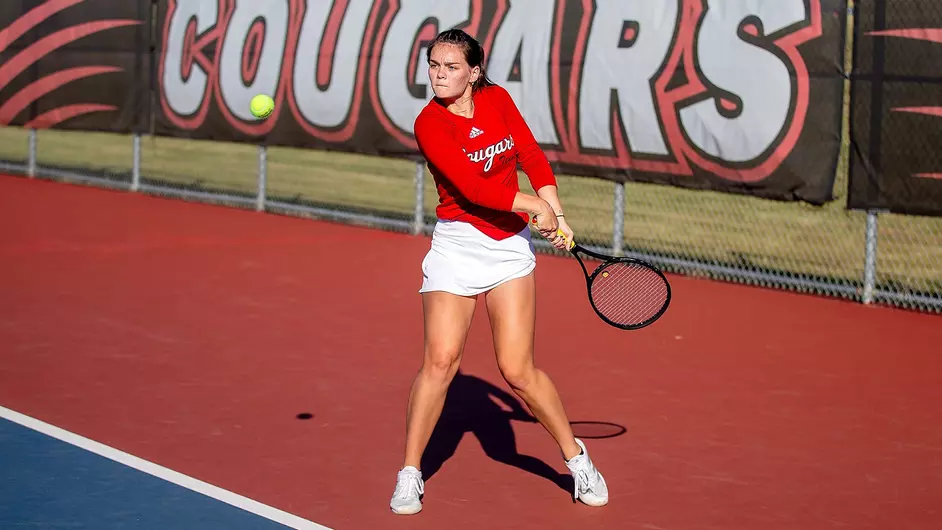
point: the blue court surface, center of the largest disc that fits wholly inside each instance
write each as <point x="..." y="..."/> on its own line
<point x="50" y="483"/>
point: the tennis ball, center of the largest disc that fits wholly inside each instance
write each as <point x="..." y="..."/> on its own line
<point x="262" y="106"/>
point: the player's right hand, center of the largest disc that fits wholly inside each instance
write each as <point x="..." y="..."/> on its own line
<point x="546" y="222"/>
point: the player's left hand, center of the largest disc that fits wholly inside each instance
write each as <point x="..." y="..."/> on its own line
<point x="562" y="241"/>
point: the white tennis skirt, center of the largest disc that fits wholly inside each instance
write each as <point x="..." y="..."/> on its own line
<point x="466" y="262"/>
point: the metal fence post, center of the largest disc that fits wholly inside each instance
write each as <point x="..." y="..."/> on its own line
<point x="136" y="164"/>
<point x="618" y="220"/>
<point x="418" y="219"/>
<point x="262" y="178"/>
<point x="870" y="265"/>
<point x="31" y="161"/>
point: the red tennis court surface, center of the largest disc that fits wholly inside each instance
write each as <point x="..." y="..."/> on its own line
<point x="193" y="335"/>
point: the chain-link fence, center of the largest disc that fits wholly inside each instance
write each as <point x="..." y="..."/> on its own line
<point x="827" y="250"/>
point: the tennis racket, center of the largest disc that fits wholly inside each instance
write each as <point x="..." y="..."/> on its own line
<point x="626" y="293"/>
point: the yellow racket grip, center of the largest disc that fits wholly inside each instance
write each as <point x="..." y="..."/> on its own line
<point x="569" y="244"/>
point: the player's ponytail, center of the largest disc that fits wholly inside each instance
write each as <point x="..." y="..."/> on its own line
<point x="472" y="49"/>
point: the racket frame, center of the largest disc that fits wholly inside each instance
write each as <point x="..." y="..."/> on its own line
<point x="607" y="261"/>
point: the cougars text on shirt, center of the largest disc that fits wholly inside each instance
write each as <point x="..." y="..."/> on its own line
<point x="488" y="153"/>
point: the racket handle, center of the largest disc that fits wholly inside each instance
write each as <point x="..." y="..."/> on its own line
<point x="569" y="244"/>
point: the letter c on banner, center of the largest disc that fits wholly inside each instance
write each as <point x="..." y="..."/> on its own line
<point x="184" y="80"/>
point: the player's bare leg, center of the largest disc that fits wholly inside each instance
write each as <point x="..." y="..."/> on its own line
<point x="447" y="321"/>
<point x="511" y="309"/>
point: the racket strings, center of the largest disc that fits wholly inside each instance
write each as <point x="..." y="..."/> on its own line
<point x="628" y="294"/>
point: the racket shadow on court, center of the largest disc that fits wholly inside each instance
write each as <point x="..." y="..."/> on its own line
<point x="473" y="405"/>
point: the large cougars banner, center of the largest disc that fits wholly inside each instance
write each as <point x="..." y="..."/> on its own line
<point x="897" y="100"/>
<point x="734" y="95"/>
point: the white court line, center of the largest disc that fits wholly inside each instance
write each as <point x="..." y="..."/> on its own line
<point x="249" y="505"/>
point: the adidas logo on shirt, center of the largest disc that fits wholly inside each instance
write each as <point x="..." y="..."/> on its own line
<point x="475" y="132"/>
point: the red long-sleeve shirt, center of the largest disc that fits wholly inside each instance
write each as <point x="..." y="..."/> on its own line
<point x="474" y="161"/>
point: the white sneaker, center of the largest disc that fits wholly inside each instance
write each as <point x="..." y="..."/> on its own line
<point x="590" y="488"/>
<point x="409" y="487"/>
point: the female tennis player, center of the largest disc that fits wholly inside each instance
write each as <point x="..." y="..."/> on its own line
<point x="473" y="136"/>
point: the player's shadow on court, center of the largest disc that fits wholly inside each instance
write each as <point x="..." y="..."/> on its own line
<point x="470" y="407"/>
